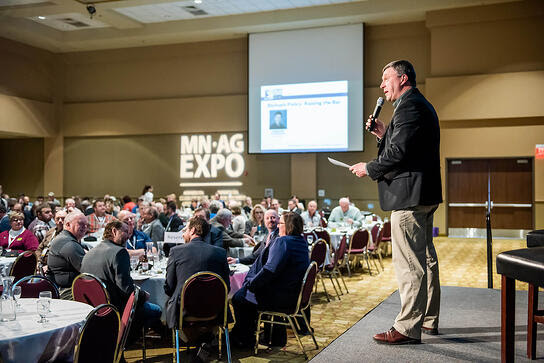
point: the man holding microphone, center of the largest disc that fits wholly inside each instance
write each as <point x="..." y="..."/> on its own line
<point x="407" y="170"/>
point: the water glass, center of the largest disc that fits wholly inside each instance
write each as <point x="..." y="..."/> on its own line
<point x="133" y="263"/>
<point x="43" y="306"/>
<point x="149" y="248"/>
<point x="17" y="295"/>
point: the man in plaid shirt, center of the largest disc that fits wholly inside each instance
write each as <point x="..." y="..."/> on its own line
<point x="42" y="223"/>
<point x="98" y="219"/>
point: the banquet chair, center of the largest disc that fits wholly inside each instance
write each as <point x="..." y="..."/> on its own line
<point x="318" y="255"/>
<point x="126" y="321"/>
<point x="386" y="236"/>
<point x="88" y="289"/>
<point x="24" y="265"/>
<point x="357" y="248"/>
<point x="31" y="286"/>
<point x="98" y="338"/>
<point x="374" y="250"/>
<point x="203" y="307"/>
<point x="332" y="270"/>
<point x="303" y="302"/>
<point x="323" y="234"/>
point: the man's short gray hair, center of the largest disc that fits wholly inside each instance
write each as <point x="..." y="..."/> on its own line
<point x="70" y="217"/>
<point x="403" y="67"/>
<point x="223" y="215"/>
<point x="343" y="200"/>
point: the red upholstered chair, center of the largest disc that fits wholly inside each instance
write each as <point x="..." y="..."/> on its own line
<point x="88" y="289"/>
<point x="386" y="236"/>
<point x="374" y="250"/>
<point x="318" y="255"/>
<point x="323" y="234"/>
<point x="332" y="270"/>
<point x="203" y="307"/>
<point x="24" y="265"/>
<point x="99" y="336"/>
<point x="357" y="248"/>
<point x="31" y="286"/>
<point x="303" y="303"/>
<point x="126" y="320"/>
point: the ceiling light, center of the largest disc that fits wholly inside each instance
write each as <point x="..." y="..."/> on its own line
<point x="41" y="17"/>
<point x="198" y="1"/>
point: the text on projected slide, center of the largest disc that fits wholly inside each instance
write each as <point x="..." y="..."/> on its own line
<point x="304" y="116"/>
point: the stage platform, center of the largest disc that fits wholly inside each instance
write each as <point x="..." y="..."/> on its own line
<point x="470" y="330"/>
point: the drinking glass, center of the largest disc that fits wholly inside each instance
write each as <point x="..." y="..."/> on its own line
<point x="43" y="306"/>
<point x="149" y="248"/>
<point x="17" y="295"/>
<point x="133" y="263"/>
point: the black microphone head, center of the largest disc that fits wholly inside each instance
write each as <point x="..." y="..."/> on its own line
<point x="379" y="102"/>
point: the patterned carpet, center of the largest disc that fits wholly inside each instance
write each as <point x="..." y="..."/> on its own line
<point x="462" y="263"/>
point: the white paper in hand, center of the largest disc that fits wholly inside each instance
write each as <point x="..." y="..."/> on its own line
<point x="339" y="163"/>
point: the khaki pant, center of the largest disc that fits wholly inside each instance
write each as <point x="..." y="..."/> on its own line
<point x="416" y="268"/>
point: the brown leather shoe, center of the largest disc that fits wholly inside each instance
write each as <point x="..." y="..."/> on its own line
<point x="429" y="331"/>
<point x="393" y="337"/>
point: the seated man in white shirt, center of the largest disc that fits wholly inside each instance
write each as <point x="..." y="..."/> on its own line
<point x="311" y="217"/>
<point x="345" y="215"/>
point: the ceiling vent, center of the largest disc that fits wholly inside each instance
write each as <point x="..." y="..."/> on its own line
<point x="193" y="10"/>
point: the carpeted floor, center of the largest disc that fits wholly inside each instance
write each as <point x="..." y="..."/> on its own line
<point x="462" y="263"/>
<point x="469" y="331"/>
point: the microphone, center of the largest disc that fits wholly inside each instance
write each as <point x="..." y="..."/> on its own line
<point x="379" y="104"/>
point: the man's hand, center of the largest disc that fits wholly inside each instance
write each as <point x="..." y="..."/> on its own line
<point x="231" y="260"/>
<point x="379" y="128"/>
<point x="349" y="220"/>
<point x="249" y="241"/>
<point x="359" y="169"/>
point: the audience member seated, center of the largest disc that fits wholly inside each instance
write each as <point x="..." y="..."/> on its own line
<point x="18" y="238"/>
<point x="222" y="221"/>
<point x="255" y="225"/>
<point x="152" y="225"/>
<point x="215" y="236"/>
<point x="248" y="206"/>
<point x="4" y="219"/>
<point x="345" y="214"/>
<point x="215" y="206"/>
<point x="238" y="220"/>
<point x="275" y="204"/>
<point x="311" y="217"/>
<point x="110" y="262"/>
<point x="43" y="248"/>
<point x="174" y="222"/>
<point x="187" y="259"/>
<point x="136" y="241"/>
<point x="99" y="218"/>
<point x="273" y="282"/>
<point x="128" y="204"/>
<point x="66" y="253"/>
<point x="42" y="223"/>
<point x="271" y="219"/>
<point x="292" y="204"/>
<point x="70" y="205"/>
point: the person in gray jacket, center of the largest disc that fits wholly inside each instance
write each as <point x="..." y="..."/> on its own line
<point x="110" y="262"/>
<point x="66" y="253"/>
<point x="152" y="225"/>
<point x="222" y="221"/>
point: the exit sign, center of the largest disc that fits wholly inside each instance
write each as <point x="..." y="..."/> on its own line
<point x="539" y="151"/>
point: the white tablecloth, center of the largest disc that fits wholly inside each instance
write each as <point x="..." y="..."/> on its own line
<point x="5" y="264"/>
<point x="336" y="236"/>
<point x="26" y="340"/>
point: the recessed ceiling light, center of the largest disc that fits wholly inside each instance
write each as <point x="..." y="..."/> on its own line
<point x="198" y="1"/>
<point x="41" y="17"/>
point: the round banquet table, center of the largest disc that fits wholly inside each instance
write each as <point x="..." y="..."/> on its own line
<point x="26" y="340"/>
<point x="5" y="263"/>
<point x="338" y="233"/>
<point x="153" y="283"/>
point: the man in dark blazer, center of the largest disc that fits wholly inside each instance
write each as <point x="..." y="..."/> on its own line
<point x="408" y="173"/>
<point x="187" y="259"/>
<point x="215" y="236"/>
<point x="271" y="219"/>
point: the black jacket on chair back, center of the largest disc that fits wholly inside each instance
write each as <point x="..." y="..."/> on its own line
<point x="408" y="165"/>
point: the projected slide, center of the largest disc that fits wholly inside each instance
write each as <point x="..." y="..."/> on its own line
<point x="304" y="116"/>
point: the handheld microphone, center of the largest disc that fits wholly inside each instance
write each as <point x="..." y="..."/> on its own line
<point x="375" y="114"/>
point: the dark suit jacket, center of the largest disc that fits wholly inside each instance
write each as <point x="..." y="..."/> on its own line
<point x="408" y="165"/>
<point x="215" y="237"/>
<point x="186" y="260"/>
<point x="249" y="260"/>
<point x="276" y="276"/>
<point x="173" y="223"/>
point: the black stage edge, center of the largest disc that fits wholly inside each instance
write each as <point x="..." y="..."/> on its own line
<point x="470" y="330"/>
